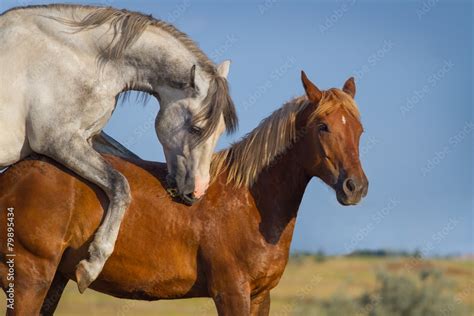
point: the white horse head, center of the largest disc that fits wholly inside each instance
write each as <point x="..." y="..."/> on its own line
<point x="189" y="124"/>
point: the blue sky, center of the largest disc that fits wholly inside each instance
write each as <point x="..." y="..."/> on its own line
<point x="413" y="66"/>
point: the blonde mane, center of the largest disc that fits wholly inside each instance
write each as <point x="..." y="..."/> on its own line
<point x="246" y="159"/>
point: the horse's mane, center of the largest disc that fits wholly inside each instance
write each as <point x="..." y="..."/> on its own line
<point x="127" y="27"/>
<point x="246" y="159"/>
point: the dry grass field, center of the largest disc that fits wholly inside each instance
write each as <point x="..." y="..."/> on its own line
<point x="307" y="288"/>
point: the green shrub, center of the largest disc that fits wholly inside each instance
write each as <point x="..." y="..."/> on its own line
<point x="425" y="294"/>
<point x="341" y="305"/>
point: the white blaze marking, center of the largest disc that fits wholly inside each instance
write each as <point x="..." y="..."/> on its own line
<point x="343" y="120"/>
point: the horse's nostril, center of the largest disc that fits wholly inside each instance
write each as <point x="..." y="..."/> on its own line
<point x="349" y="186"/>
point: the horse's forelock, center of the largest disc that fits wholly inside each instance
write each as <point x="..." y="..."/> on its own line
<point x="222" y="98"/>
<point x="216" y="103"/>
<point x="333" y="99"/>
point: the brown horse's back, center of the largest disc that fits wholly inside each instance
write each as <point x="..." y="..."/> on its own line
<point x="39" y="221"/>
<point x="157" y="245"/>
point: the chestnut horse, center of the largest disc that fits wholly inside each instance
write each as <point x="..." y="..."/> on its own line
<point x="232" y="246"/>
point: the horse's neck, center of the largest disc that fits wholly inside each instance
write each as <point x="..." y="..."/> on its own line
<point x="157" y="61"/>
<point x="278" y="193"/>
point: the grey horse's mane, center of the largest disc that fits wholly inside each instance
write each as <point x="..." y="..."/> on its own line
<point x="127" y="27"/>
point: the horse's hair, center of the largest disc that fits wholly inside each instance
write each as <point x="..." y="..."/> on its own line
<point x="245" y="159"/>
<point x="217" y="102"/>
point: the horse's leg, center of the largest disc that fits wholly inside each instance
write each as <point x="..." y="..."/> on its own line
<point x="28" y="299"/>
<point x="232" y="303"/>
<point x="230" y="292"/>
<point x="77" y="154"/>
<point x="33" y="276"/>
<point x="260" y="305"/>
<point x="13" y="145"/>
<point x="55" y="291"/>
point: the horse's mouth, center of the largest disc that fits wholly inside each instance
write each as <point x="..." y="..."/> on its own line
<point x="189" y="199"/>
<point x="346" y="201"/>
<point x="172" y="189"/>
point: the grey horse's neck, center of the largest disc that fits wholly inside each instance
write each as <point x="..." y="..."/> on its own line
<point x="154" y="66"/>
<point x="142" y="53"/>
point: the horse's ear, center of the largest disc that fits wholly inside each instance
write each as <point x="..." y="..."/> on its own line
<point x="223" y="69"/>
<point x="313" y="93"/>
<point x="192" y="77"/>
<point x="350" y="87"/>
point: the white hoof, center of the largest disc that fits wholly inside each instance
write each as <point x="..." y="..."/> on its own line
<point x="86" y="273"/>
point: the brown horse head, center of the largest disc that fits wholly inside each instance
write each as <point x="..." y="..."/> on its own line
<point x="331" y="138"/>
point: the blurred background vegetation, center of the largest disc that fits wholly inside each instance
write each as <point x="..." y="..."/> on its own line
<point x="364" y="283"/>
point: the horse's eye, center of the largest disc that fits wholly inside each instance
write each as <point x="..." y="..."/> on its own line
<point x="195" y="130"/>
<point x="323" y="127"/>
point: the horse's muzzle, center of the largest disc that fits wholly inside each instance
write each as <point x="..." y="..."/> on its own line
<point x="189" y="199"/>
<point x="174" y="192"/>
<point x="350" y="191"/>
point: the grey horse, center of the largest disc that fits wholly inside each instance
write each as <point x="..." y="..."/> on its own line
<point x="62" y="68"/>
